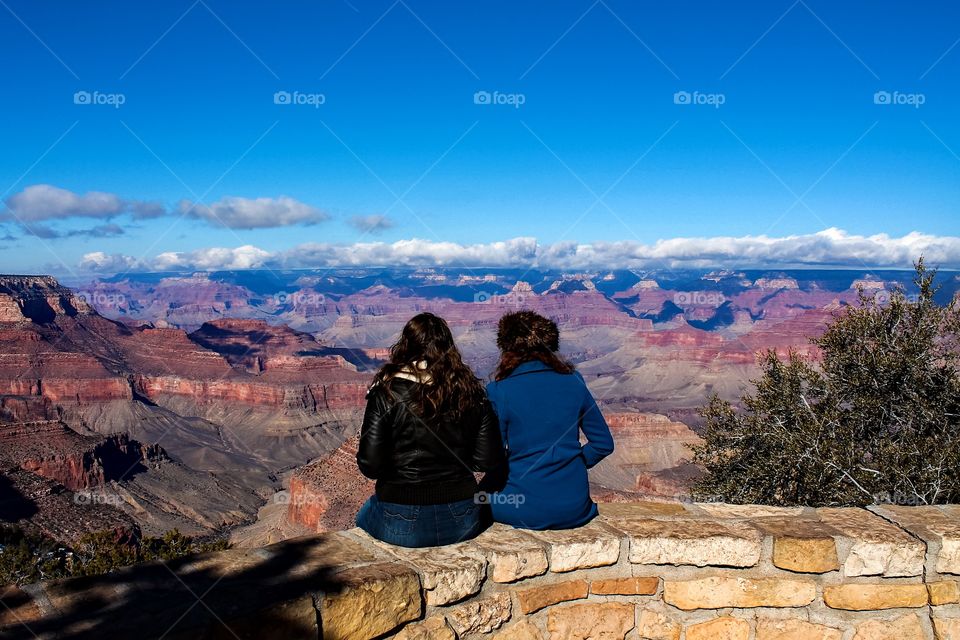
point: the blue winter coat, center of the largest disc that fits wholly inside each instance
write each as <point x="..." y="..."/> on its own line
<point x="542" y="414"/>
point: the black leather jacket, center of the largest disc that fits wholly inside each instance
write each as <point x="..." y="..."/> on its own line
<point x="417" y="461"/>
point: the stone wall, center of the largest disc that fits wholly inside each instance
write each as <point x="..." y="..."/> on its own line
<point x="651" y="571"/>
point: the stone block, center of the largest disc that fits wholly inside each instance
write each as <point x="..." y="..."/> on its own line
<point x="907" y="627"/>
<point x="372" y="600"/>
<point x="433" y="628"/>
<point x="719" y="592"/>
<point x="878" y="547"/>
<point x="591" y="621"/>
<point x="870" y="597"/>
<point x="511" y="555"/>
<point x="792" y="629"/>
<point x="448" y="574"/>
<point x="635" y="586"/>
<point x="691" y="542"/>
<point x="654" y="625"/>
<point x="480" y="615"/>
<point x="943" y="592"/>
<point x="725" y="628"/>
<point x="523" y="630"/>
<point x="588" y="546"/>
<point x="535" y="598"/>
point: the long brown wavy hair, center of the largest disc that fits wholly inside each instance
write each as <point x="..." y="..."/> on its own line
<point x="452" y="387"/>
<point x="524" y="336"/>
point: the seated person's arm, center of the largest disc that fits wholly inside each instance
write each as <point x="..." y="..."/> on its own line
<point x="599" y="441"/>
<point x="488" y="451"/>
<point x="373" y="454"/>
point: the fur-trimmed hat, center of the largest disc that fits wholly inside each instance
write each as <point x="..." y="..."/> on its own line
<point x="523" y="331"/>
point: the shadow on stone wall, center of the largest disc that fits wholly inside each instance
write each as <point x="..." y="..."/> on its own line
<point x="234" y="594"/>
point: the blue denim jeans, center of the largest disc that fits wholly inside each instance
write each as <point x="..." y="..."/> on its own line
<point x="420" y="525"/>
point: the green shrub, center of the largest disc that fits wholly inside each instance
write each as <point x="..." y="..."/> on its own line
<point x="26" y="558"/>
<point x="875" y="419"/>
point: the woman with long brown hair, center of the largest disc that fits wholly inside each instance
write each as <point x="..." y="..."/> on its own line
<point x="427" y="428"/>
<point x="543" y="405"/>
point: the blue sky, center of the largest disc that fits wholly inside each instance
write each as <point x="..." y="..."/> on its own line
<point x="597" y="152"/>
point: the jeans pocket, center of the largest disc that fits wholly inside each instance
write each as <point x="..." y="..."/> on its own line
<point x="400" y="519"/>
<point x="464" y="511"/>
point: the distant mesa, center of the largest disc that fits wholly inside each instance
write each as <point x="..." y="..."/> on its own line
<point x="776" y="282"/>
<point x="868" y="283"/>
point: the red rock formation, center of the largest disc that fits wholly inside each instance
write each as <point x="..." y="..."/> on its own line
<point x="326" y="494"/>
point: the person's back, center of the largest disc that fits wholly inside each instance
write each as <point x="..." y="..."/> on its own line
<point x="427" y="427"/>
<point x="543" y="405"/>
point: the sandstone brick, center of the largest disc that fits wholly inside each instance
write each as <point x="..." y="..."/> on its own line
<point x="868" y="597"/>
<point x="481" y="615"/>
<point x="878" y="547"/>
<point x="641" y="509"/>
<point x="16" y="606"/>
<point x="582" y="548"/>
<point x="725" y="628"/>
<point x="523" y="630"/>
<point x="653" y="625"/>
<point x="448" y="574"/>
<point x="433" y="628"/>
<point x="943" y="592"/>
<point x="591" y="621"/>
<point x="938" y="526"/>
<point x="805" y="555"/>
<point x="337" y="549"/>
<point x="535" y="598"/>
<point x="946" y="628"/>
<point x="293" y="619"/>
<point x="748" y="511"/>
<point x="906" y="628"/>
<point x="371" y="601"/>
<point x="635" y="586"/>
<point x="511" y="555"/>
<point x="691" y="542"/>
<point x="718" y="592"/>
<point x="791" y="629"/>
<point x="802" y="543"/>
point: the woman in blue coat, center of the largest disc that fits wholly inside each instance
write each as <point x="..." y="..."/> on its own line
<point x="543" y="405"/>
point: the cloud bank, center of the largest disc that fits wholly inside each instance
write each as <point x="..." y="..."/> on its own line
<point x="254" y="213"/>
<point x="829" y="248"/>
<point x="42" y="203"/>
<point x="371" y="224"/>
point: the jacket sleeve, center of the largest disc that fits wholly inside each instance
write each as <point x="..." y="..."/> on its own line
<point x="599" y="441"/>
<point x="488" y="450"/>
<point x="373" y="454"/>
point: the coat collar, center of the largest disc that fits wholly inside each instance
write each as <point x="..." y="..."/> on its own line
<point x="530" y="366"/>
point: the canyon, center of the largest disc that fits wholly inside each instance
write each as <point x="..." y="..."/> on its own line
<point x="229" y="402"/>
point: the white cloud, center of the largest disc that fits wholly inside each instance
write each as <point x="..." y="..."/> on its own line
<point x="254" y="213"/>
<point x="828" y="248"/>
<point x="47" y="202"/>
<point x="371" y="224"/>
<point x="106" y="263"/>
<point x="245" y="257"/>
